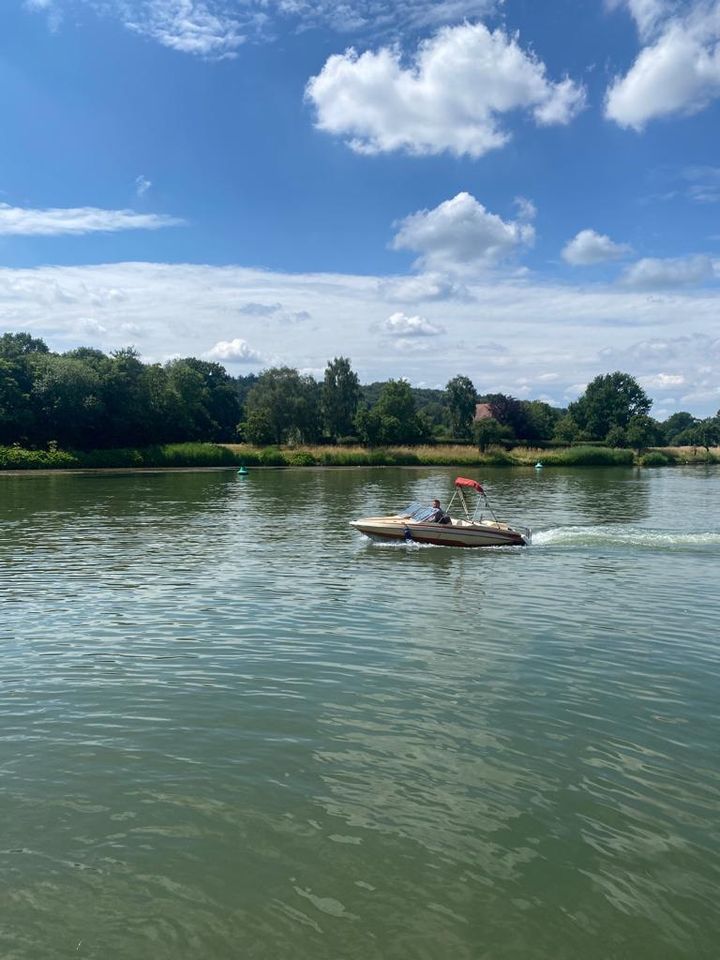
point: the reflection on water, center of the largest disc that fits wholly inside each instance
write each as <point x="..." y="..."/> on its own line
<point x="231" y="726"/>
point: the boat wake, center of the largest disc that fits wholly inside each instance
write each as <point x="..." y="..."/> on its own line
<point x="378" y="544"/>
<point x="624" y="536"/>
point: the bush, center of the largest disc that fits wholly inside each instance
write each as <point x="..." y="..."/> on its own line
<point x="17" y="458"/>
<point x="589" y="456"/>
<point x="300" y="458"/>
<point x="272" y="457"/>
<point x="655" y="459"/>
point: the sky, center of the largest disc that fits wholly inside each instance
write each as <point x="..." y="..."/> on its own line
<point x="523" y="193"/>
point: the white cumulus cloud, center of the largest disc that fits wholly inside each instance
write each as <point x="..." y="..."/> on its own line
<point x="401" y="325"/>
<point x="450" y="97"/>
<point x="54" y="221"/>
<point x="655" y="273"/>
<point x="234" y="351"/>
<point x="460" y="235"/>
<point x="647" y="14"/>
<point x="589" y="247"/>
<point x="677" y="71"/>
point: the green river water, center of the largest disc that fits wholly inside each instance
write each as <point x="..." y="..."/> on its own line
<point x="231" y="727"/>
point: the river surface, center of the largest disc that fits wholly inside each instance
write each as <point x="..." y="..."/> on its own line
<point x="232" y="727"/>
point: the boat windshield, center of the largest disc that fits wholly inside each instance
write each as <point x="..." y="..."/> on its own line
<point x="416" y="511"/>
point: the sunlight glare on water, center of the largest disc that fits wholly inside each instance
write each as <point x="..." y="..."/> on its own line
<point x="232" y="726"/>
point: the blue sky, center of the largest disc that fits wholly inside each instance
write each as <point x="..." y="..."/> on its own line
<point x="523" y="193"/>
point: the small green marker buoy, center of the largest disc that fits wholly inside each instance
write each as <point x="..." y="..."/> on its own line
<point x="242" y="472"/>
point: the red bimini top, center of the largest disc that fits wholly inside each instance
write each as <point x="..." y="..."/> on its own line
<point x="465" y="482"/>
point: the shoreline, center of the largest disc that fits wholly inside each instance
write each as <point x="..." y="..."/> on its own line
<point x="208" y="457"/>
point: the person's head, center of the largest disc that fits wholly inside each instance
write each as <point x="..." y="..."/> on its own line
<point x="436" y="503"/>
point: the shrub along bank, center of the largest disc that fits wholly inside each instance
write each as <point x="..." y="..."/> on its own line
<point x="165" y="455"/>
<point x="230" y="455"/>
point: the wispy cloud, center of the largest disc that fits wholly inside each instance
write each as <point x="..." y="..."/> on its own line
<point x="50" y="8"/>
<point x="662" y="273"/>
<point x="142" y="185"/>
<point x="505" y="330"/>
<point x="703" y="184"/>
<point x="189" y="26"/>
<point x="216" y="29"/>
<point x="56" y="221"/>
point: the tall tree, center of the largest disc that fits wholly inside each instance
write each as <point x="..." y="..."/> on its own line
<point x="127" y="402"/>
<point x="642" y="431"/>
<point x="67" y="400"/>
<point x="394" y="418"/>
<point x="461" y="399"/>
<point x="282" y="406"/>
<point x="510" y="412"/>
<point x="675" y="424"/>
<point x="339" y="397"/>
<point x="221" y="404"/>
<point x="490" y="431"/>
<point x="610" y="400"/>
<point x="705" y="433"/>
<point x="19" y="353"/>
<point x="15" y="415"/>
<point x="14" y="345"/>
<point x="540" y="420"/>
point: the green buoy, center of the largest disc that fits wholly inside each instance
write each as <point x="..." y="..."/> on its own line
<point x="242" y="472"/>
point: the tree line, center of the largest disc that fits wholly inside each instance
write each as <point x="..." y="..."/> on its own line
<point x="85" y="399"/>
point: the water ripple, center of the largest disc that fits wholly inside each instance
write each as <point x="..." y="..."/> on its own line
<point x="230" y="726"/>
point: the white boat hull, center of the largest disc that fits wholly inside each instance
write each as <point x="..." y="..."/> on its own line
<point x="459" y="533"/>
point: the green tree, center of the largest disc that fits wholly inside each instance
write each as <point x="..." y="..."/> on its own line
<point x="18" y="353"/>
<point x="566" y="430"/>
<point x="616" y="437"/>
<point x="642" y="432"/>
<point x="510" y="412"/>
<point x="339" y="398"/>
<point x="540" y="420"/>
<point x="128" y="407"/>
<point x="393" y="419"/>
<point x="490" y="431"/>
<point x="67" y="402"/>
<point x="223" y="405"/>
<point x="704" y="433"/>
<point x="15" y="413"/>
<point x="15" y="345"/>
<point x="368" y="424"/>
<point x="461" y="400"/>
<point x="676" y="424"/>
<point x="283" y="406"/>
<point x="610" y="400"/>
<point x="400" y="421"/>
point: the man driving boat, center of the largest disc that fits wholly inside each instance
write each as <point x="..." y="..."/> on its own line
<point x="438" y="515"/>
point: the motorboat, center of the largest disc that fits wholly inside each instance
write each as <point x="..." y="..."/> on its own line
<point x="421" y="523"/>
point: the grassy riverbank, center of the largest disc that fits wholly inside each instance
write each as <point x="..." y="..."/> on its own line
<point x="229" y="455"/>
<point x="167" y="455"/>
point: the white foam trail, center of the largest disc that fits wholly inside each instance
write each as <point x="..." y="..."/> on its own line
<point x="623" y="536"/>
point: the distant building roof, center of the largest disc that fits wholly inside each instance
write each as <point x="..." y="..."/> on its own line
<point x="483" y="411"/>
